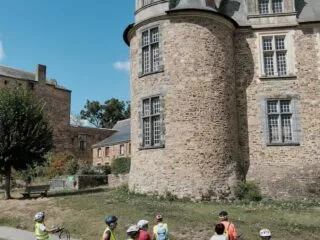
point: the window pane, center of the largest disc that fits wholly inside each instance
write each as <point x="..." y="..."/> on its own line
<point x="145" y="2"/>
<point x="267" y="43"/>
<point x="286" y="127"/>
<point x="281" y="63"/>
<point x="273" y="128"/>
<point x="146" y="131"/>
<point x="145" y="60"/>
<point x="280" y="42"/>
<point x="155" y="57"/>
<point x="155" y="105"/>
<point x="277" y="6"/>
<point x="156" y="130"/>
<point x="264" y="6"/>
<point x="273" y="106"/>
<point x="154" y="35"/>
<point x="145" y="38"/>
<point x="285" y="106"/>
<point x="146" y="107"/>
<point x="268" y="64"/>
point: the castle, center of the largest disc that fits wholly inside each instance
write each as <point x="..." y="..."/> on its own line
<point x="224" y="91"/>
<point x="68" y="139"/>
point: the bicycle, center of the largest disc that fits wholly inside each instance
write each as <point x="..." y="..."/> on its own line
<point x="63" y="233"/>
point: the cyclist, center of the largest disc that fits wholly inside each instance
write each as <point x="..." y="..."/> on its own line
<point x="108" y="233"/>
<point x="265" y="234"/>
<point x="219" y="233"/>
<point x="160" y="231"/>
<point x="41" y="231"/>
<point x="143" y="226"/>
<point x="133" y="232"/>
<point x="229" y="228"/>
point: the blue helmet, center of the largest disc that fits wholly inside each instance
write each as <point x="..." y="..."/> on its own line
<point x="110" y="219"/>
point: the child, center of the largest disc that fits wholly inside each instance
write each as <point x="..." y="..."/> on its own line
<point x="160" y="231"/>
<point x="41" y="231"/>
<point x="133" y="232"/>
<point x="143" y="226"/>
<point x="219" y="233"/>
<point x="108" y="233"/>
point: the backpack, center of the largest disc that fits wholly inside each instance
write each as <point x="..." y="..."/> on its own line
<point x="226" y="232"/>
<point x="162" y="233"/>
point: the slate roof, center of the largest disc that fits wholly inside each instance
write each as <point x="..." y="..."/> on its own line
<point x="123" y="134"/>
<point x="307" y="10"/>
<point x="23" y="75"/>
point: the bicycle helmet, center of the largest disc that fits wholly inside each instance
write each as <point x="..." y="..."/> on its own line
<point x="133" y="229"/>
<point x="39" y="216"/>
<point x="110" y="219"/>
<point x="223" y="214"/>
<point x="142" y="223"/>
<point x="265" y="233"/>
<point x="159" y="217"/>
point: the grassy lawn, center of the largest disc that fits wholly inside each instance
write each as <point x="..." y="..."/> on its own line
<point x="83" y="215"/>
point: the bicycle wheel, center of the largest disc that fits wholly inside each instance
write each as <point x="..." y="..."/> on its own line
<point x="64" y="235"/>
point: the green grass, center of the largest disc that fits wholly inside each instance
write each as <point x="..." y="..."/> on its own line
<point x="286" y="219"/>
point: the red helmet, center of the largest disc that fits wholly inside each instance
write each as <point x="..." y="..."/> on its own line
<point x="159" y="217"/>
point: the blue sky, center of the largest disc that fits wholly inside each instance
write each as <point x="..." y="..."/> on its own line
<point x="80" y="41"/>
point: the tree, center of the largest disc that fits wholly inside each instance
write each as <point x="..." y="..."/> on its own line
<point x="25" y="133"/>
<point x="92" y="112"/>
<point x="106" y="115"/>
<point x="114" y="110"/>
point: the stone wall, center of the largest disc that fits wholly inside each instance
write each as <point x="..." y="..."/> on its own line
<point x="281" y="171"/>
<point x="105" y="155"/>
<point x="118" y="180"/>
<point x="200" y="157"/>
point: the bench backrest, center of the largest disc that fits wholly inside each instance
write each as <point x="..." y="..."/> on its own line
<point x="37" y="188"/>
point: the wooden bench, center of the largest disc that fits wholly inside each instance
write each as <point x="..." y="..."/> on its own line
<point x="38" y="189"/>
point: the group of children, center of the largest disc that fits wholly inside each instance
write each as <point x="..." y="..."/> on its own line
<point x="137" y="231"/>
<point x="224" y="230"/>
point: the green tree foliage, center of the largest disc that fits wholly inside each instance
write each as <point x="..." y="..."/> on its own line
<point x="121" y="165"/>
<point x="25" y="133"/>
<point x="93" y="112"/>
<point x="249" y="191"/>
<point x="105" y="115"/>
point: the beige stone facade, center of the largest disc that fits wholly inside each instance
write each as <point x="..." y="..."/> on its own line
<point x="105" y="155"/>
<point x="73" y="140"/>
<point x="231" y="102"/>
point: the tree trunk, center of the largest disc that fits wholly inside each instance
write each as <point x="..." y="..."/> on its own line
<point x="7" y="182"/>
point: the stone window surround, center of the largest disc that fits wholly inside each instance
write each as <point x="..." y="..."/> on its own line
<point x="140" y="6"/>
<point x="162" y="127"/>
<point x="290" y="56"/>
<point x="296" y="127"/>
<point x="99" y="153"/>
<point x="288" y="9"/>
<point x="121" y="149"/>
<point x="161" y="65"/>
<point x="107" y="151"/>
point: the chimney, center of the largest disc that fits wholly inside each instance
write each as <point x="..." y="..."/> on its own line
<point x="41" y="73"/>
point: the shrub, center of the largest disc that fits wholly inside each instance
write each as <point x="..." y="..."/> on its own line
<point x="121" y="165"/>
<point x="249" y="191"/>
<point x="104" y="169"/>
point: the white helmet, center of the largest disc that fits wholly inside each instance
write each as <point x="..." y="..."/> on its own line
<point x="133" y="229"/>
<point x="265" y="233"/>
<point x="39" y="216"/>
<point x="142" y="223"/>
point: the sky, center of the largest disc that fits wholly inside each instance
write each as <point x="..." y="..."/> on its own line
<point x="80" y="42"/>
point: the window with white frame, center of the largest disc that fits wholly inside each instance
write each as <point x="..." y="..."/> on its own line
<point x="150" y="50"/>
<point x="121" y="149"/>
<point x="146" y="2"/>
<point x="151" y="124"/>
<point x="99" y="153"/>
<point x="274" y="50"/>
<point x="270" y="6"/>
<point x="280" y="125"/>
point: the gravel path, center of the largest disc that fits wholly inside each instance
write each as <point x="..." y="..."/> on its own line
<point x="17" y="234"/>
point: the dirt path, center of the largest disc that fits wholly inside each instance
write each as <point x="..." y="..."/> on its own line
<point x="17" y="234"/>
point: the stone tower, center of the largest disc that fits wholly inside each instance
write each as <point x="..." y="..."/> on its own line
<point x="183" y="109"/>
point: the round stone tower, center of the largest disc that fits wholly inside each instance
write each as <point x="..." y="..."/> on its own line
<point x="184" y="128"/>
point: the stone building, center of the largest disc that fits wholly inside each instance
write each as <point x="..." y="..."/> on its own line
<point x="68" y="139"/>
<point x="115" y="146"/>
<point x="224" y="91"/>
